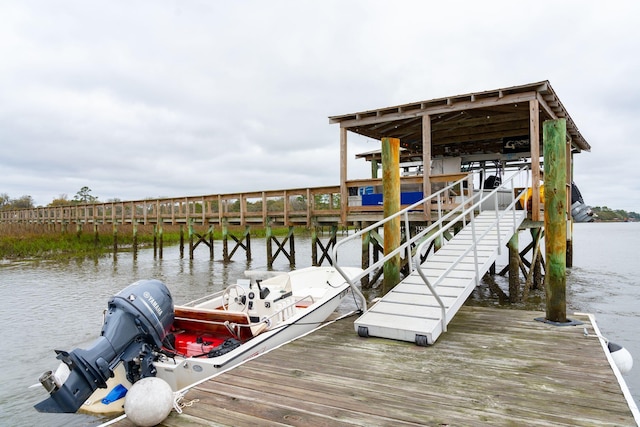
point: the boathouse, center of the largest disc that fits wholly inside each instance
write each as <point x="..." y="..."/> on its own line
<point x="458" y="149"/>
<point x="500" y="127"/>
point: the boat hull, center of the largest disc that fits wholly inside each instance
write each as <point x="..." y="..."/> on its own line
<point x="318" y="291"/>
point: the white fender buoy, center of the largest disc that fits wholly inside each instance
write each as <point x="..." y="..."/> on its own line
<point x="621" y="357"/>
<point x="148" y="402"/>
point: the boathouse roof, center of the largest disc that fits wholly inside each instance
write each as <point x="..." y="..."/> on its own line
<point x="472" y="123"/>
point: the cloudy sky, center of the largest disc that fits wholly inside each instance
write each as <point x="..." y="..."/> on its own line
<point x="138" y="99"/>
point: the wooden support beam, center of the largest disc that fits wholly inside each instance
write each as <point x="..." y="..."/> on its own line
<point x="426" y="163"/>
<point x="191" y="244"/>
<point x="135" y="238"/>
<point x="314" y="246"/>
<point x="115" y="238"/>
<point x="514" y="268"/>
<point x="555" y="198"/>
<point x="325" y="250"/>
<point x="239" y="243"/>
<point x="268" y="234"/>
<point x="160" y="240"/>
<point x="155" y="240"/>
<point x="391" y="205"/>
<point x="181" y="241"/>
<point x="365" y="255"/>
<point x="537" y="234"/>
<point x="569" y="157"/>
<point x="290" y="255"/>
<point x="344" y="191"/>
<point x="534" y="141"/>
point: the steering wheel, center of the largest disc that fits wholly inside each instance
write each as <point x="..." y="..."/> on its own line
<point x="236" y="294"/>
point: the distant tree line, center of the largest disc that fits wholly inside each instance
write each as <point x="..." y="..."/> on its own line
<point x="605" y="214"/>
<point x="83" y="196"/>
<point x="7" y="203"/>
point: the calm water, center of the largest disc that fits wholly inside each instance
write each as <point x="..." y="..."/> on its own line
<point x="51" y="305"/>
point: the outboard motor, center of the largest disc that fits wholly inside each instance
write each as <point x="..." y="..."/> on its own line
<point x="137" y="321"/>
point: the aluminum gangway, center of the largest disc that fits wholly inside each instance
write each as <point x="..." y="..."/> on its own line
<point x="420" y="307"/>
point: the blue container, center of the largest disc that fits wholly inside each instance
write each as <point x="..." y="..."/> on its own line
<point x="407" y="198"/>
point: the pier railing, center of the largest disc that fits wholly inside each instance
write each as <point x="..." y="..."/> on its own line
<point x="289" y="207"/>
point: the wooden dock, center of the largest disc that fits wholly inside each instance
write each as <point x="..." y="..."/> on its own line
<point x="492" y="367"/>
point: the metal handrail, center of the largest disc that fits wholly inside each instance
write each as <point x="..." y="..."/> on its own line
<point x="430" y="233"/>
<point x="406" y="246"/>
<point x="471" y="211"/>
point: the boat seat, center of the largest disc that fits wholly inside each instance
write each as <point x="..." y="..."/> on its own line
<point x="211" y="321"/>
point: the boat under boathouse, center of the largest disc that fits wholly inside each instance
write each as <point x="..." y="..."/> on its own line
<point x="475" y="165"/>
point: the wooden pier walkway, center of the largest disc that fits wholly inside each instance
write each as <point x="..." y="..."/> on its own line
<point x="493" y="367"/>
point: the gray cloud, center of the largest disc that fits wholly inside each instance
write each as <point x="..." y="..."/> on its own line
<point x="166" y="98"/>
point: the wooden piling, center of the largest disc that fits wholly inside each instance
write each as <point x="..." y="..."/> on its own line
<point x="160" y="240"/>
<point x="514" y="268"/>
<point x="314" y="246"/>
<point x="115" y="238"/>
<point x="555" y="221"/>
<point x="268" y="234"/>
<point x="155" y="240"/>
<point x="247" y="234"/>
<point x="191" y="239"/>
<point x="391" y="205"/>
<point x="181" y="241"/>
<point x="135" y="238"/>
<point x="569" y="165"/>
<point x="366" y="254"/>
<point x="292" y="248"/>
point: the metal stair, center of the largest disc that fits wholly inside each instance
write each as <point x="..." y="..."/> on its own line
<point x="420" y="307"/>
<point x="411" y="312"/>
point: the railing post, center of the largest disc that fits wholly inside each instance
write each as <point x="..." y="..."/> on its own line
<point x="407" y="227"/>
<point x="497" y="208"/>
<point x="475" y="247"/>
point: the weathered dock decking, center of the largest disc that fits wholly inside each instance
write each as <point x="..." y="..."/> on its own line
<point x="492" y="367"/>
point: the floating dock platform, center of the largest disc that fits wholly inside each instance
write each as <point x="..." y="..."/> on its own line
<point x="494" y="367"/>
<point x="410" y="311"/>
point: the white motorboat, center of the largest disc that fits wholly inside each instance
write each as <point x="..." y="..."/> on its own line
<point x="145" y="335"/>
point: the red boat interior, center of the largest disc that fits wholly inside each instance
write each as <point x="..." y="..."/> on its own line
<point x="198" y="331"/>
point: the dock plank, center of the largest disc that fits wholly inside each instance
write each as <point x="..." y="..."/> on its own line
<point x="493" y="367"/>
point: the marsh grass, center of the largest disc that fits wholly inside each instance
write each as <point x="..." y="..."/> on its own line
<point x="19" y="241"/>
